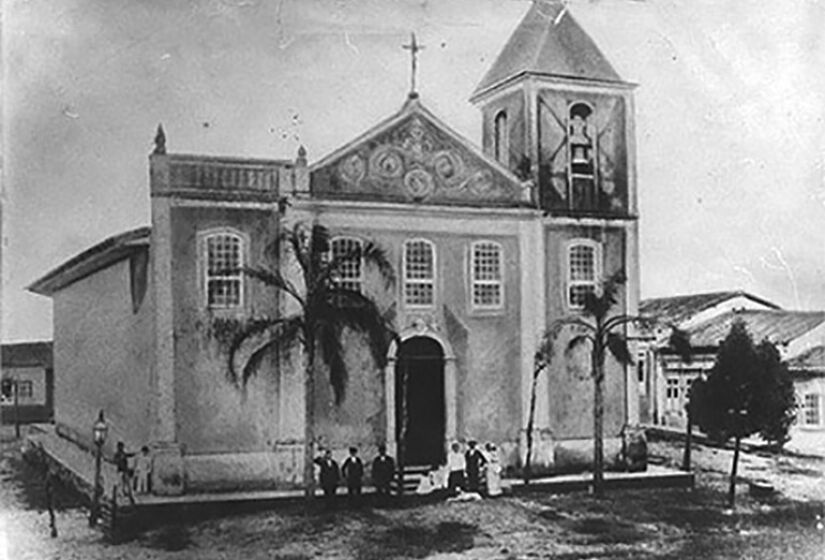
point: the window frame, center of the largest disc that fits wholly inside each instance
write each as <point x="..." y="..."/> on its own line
<point x="28" y="392"/>
<point x="360" y="243"/>
<point x="407" y="281"/>
<point x="501" y="137"/>
<point x="475" y="281"/>
<point x="597" y="269"/>
<point x="814" y="411"/>
<point x="205" y="276"/>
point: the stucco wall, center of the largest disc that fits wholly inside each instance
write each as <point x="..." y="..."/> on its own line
<point x="103" y="356"/>
<point x="485" y="345"/>
<point x="570" y="387"/>
<point x="213" y="416"/>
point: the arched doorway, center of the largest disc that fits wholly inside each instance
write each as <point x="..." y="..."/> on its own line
<point x="419" y="392"/>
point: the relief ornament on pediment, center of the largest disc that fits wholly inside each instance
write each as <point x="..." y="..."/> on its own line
<point x="414" y="161"/>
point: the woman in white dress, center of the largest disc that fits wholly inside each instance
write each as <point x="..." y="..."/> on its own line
<point x="493" y="470"/>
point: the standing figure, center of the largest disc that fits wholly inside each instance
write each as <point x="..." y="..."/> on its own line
<point x="493" y="470"/>
<point x="475" y="462"/>
<point x="143" y="471"/>
<point x="383" y="469"/>
<point x="330" y="475"/>
<point x="456" y="464"/>
<point x="121" y="459"/>
<point x="353" y="471"/>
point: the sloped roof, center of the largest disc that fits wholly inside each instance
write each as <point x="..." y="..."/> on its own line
<point x="25" y="354"/>
<point x="549" y="42"/>
<point x="105" y="253"/>
<point x="812" y="359"/>
<point x="778" y="326"/>
<point x="680" y="308"/>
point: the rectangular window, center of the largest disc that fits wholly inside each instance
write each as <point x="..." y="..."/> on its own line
<point x="224" y="274"/>
<point x="25" y="389"/>
<point x="811" y="410"/>
<point x="672" y="395"/>
<point x="419" y="273"/>
<point x="582" y="273"/>
<point x="347" y="252"/>
<point x="486" y="275"/>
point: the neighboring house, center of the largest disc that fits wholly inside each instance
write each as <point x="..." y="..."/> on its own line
<point x="29" y="365"/>
<point x="808" y="372"/>
<point x="707" y="319"/>
<point x="663" y="380"/>
<point x="489" y="245"/>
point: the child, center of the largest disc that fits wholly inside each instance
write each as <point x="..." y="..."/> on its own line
<point x="353" y="471"/>
<point x="143" y="470"/>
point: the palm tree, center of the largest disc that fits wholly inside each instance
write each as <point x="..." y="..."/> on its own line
<point x="324" y="309"/>
<point x="604" y="332"/>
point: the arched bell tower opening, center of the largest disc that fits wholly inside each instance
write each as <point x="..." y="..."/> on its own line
<point x="420" y="407"/>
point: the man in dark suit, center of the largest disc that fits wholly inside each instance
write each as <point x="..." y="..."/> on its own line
<point x="330" y="475"/>
<point x="353" y="471"/>
<point x="383" y="469"/>
<point x="475" y="461"/>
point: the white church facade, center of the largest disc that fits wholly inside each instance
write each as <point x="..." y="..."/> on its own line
<point x="489" y="245"/>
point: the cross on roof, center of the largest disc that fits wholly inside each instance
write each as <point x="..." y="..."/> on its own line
<point x="413" y="47"/>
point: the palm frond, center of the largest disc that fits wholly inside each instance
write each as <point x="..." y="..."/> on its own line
<point x="378" y="257"/>
<point x="295" y="239"/>
<point x="679" y="341"/>
<point x="578" y="340"/>
<point x="283" y="332"/>
<point x="332" y="352"/>
<point x="275" y="279"/>
<point x="348" y="308"/>
<point x="618" y="347"/>
<point x="598" y="304"/>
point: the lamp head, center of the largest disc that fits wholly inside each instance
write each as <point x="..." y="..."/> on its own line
<point x="99" y="429"/>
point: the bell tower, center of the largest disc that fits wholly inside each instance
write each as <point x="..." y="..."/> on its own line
<point x="555" y="111"/>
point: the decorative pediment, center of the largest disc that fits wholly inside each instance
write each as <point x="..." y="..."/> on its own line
<point x="413" y="157"/>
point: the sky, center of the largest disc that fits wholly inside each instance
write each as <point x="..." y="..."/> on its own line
<point x="730" y="110"/>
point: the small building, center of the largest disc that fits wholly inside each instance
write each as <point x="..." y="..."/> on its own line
<point x="29" y="366"/>
<point x="707" y="319"/>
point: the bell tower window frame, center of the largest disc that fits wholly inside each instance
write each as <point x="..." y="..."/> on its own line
<point x="582" y="157"/>
<point x="501" y="138"/>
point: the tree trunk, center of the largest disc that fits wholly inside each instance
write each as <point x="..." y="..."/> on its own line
<point x="732" y="487"/>
<point x="598" y="420"/>
<point x="309" y="423"/>
<point x="530" y="422"/>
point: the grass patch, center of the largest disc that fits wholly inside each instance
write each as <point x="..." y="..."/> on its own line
<point x="417" y="541"/>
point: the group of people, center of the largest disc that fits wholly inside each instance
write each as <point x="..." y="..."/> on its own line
<point x="352" y="473"/>
<point x="473" y="471"/>
<point x="134" y="471"/>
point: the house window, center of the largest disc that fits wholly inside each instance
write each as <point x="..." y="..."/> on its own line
<point x="583" y="271"/>
<point x="348" y="273"/>
<point x="486" y="275"/>
<point x="419" y="273"/>
<point x="224" y="270"/>
<point x="25" y="389"/>
<point x="582" y="151"/>
<point x="502" y="140"/>
<point x="811" y="410"/>
<point x="672" y="392"/>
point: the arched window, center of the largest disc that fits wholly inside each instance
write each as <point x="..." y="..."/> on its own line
<point x="419" y="273"/>
<point x="502" y="138"/>
<point x="486" y="275"/>
<point x="582" y="149"/>
<point x="583" y="270"/>
<point x="223" y="257"/>
<point x="349" y="272"/>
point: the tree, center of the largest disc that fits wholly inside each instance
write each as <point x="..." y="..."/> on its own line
<point x="748" y="391"/>
<point x="323" y="311"/>
<point x="604" y="332"/>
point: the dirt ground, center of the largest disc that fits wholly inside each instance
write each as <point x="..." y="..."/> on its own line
<point x="663" y="523"/>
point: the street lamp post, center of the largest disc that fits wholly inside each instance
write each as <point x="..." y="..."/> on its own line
<point x="99" y="432"/>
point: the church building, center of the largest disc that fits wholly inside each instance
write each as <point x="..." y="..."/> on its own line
<point x="490" y="245"/>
